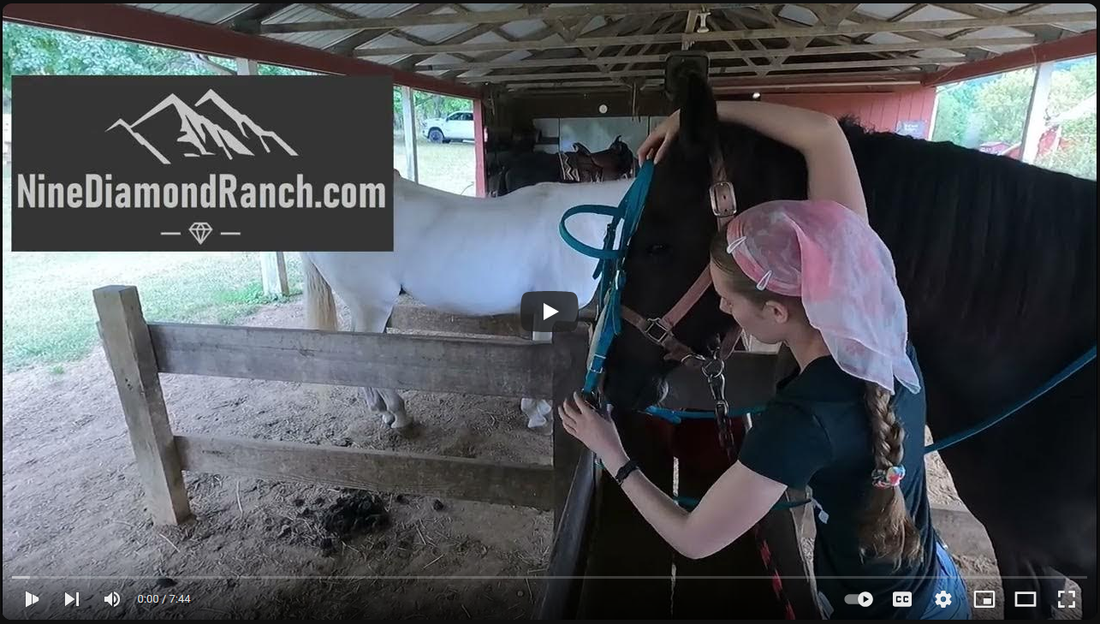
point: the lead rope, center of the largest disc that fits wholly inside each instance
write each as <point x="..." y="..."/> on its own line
<point x="714" y="371"/>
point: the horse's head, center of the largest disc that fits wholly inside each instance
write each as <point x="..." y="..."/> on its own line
<point x="670" y="248"/>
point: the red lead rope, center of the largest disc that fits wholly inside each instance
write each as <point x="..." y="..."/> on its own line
<point x="730" y="431"/>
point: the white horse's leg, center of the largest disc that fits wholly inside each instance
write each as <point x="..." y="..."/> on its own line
<point x="536" y="410"/>
<point x="386" y="401"/>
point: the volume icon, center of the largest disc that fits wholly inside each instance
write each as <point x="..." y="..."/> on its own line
<point x="112" y="599"/>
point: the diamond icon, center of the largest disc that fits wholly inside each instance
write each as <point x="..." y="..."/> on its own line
<point x="200" y="230"/>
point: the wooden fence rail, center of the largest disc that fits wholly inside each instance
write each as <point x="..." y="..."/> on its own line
<point x="139" y="352"/>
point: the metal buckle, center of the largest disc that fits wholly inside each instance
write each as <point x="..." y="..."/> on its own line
<point x="723" y="201"/>
<point x="660" y="324"/>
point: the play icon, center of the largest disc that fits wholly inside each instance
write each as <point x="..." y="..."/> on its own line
<point x="548" y="311"/>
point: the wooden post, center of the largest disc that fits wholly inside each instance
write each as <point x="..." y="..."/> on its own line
<point x="273" y="273"/>
<point x="246" y="67"/>
<point x="272" y="263"/>
<point x="568" y="372"/>
<point x="479" y="148"/>
<point x="409" y="121"/>
<point x="1036" y="112"/>
<point x="129" y="350"/>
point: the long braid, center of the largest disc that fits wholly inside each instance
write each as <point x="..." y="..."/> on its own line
<point x="886" y="530"/>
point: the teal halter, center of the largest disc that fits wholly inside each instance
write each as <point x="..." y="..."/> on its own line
<point x="610" y="269"/>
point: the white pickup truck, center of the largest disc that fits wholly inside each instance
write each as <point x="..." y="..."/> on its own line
<point x="458" y="126"/>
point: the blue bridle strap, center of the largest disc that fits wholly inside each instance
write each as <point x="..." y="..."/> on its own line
<point x="609" y="269"/>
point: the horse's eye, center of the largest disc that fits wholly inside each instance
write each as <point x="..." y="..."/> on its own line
<point x="658" y="249"/>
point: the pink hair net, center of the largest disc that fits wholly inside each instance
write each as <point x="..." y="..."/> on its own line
<point x="831" y="258"/>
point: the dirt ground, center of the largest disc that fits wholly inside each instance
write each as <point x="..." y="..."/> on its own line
<point x="73" y="507"/>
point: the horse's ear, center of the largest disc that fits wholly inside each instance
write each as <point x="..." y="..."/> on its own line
<point x="698" y="117"/>
<point x="579" y="147"/>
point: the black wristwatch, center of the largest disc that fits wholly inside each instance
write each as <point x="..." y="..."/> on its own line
<point x="625" y="471"/>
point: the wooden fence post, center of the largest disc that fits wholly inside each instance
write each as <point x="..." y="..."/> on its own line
<point x="568" y="377"/>
<point x="130" y="353"/>
<point x="273" y="274"/>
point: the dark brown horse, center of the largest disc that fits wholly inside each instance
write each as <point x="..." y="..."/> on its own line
<point x="580" y="165"/>
<point x="997" y="263"/>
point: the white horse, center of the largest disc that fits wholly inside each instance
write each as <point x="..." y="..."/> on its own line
<point x="461" y="255"/>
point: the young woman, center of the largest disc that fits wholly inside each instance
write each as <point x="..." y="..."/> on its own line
<point x="815" y="277"/>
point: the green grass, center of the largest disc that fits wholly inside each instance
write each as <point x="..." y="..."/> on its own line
<point x="49" y="317"/>
<point x="449" y="167"/>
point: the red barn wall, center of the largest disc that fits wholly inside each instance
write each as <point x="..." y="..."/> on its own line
<point x="880" y="111"/>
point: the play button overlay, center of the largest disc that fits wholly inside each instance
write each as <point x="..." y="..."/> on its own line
<point x="548" y="311"/>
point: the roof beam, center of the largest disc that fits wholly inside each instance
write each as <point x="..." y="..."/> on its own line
<point x="1065" y="48"/>
<point x="715" y="71"/>
<point x="118" y="21"/>
<point x="456" y="40"/>
<point x="869" y="26"/>
<point x="1043" y="32"/>
<point x="897" y="17"/>
<point x="641" y="57"/>
<point x="542" y="33"/>
<point x="481" y="17"/>
<point x="255" y="13"/>
<point x="362" y="37"/>
<point x="879" y="80"/>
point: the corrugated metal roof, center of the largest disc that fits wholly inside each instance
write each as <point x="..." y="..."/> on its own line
<point x="884" y="10"/>
<point x="212" y="13"/>
<point x="204" y="12"/>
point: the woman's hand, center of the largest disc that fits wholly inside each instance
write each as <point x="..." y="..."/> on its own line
<point x="593" y="430"/>
<point x="660" y="139"/>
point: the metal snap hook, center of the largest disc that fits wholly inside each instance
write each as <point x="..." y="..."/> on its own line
<point x="714" y="367"/>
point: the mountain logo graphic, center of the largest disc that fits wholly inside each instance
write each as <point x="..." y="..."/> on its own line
<point x="211" y="127"/>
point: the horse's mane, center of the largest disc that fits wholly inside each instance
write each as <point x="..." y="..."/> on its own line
<point x="996" y="244"/>
<point x="1000" y="243"/>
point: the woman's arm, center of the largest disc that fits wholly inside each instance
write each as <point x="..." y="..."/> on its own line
<point x="737" y="501"/>
<point x="830" y="167"/>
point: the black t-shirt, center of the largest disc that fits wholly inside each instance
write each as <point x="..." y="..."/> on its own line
<point x="815" y="432"/>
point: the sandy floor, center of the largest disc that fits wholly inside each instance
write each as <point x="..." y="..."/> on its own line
<point x="73" y="507"/>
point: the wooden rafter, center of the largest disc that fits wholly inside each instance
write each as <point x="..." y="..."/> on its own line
<point x="864" y="24"/>
<point x="720" y="70"/>
<point x="346" y="45"/>
<point x="897" y="17"/>
<point x="642" y="57"/>
<point x="1042" y="32"/>
<point x="478" y="17"/>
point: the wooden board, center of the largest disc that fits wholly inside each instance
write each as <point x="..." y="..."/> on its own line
<point x="500" y="367"/>
<point x="127" y="344"/>
<point x="569" y="553"/>
<point x="420" y="317"/>
<point x="529" y="485"/>
<point x="629" y="570"/>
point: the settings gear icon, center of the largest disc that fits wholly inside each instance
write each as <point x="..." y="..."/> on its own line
<point x="943" y="599"/>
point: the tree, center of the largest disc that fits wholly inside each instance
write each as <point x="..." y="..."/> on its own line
<point x="994" y="109"/>
<point x="32" y="51"/>
<point x="1071" y="84"/>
